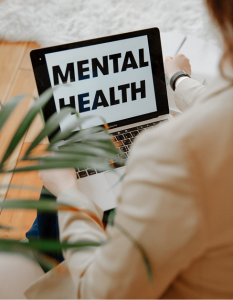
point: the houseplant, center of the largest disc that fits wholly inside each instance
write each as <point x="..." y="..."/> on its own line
<point x="96" y="151"/>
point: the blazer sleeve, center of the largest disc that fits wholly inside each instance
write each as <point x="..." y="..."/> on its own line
<point x="188" y="92"/>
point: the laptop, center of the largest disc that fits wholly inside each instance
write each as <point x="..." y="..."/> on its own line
<point x="120" y="78"/>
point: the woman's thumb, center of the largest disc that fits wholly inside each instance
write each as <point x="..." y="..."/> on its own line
<point x="168" y="58"/>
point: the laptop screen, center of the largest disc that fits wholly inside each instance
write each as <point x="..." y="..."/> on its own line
<point x="119" y="78"/>
<point x="112" y="80"/>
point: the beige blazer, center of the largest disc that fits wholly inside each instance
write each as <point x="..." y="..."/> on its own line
<point x="176" y="202"/>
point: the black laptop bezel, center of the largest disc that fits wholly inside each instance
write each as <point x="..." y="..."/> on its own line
<point x="43" y="82"/>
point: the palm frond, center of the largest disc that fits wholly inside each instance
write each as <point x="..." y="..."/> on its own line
<point x="23" y="127"/>
<point x="8" y="108"/>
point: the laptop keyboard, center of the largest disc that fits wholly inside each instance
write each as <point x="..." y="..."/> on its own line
<point x="123" y="141"/>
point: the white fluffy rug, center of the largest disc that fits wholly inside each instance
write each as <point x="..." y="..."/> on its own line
<point x="50" y="22"/>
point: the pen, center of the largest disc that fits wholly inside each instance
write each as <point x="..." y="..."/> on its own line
<point x="174" y="54"/>
<point x="179" y="47"/>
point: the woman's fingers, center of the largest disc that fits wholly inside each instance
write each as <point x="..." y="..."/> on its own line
<point x="58" y="180"/>
<point x="179" y="63"/>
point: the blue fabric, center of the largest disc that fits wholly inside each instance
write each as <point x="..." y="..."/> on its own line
<point x="33" y="232"/>
<point x="45" y="227"/>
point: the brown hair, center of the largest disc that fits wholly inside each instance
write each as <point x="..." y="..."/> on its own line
<point x="222" y="14"/>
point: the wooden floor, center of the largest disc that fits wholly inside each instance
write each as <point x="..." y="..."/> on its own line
<point x="16" y="77"/>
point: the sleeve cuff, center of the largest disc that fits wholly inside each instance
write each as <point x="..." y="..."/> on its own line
<point x="180" y="79"/>
<point x="77" y="199"/>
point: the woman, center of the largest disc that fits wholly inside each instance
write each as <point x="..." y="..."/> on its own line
<point x="176" y="201"/>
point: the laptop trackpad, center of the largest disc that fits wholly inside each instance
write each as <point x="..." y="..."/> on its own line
<point x="114" y="179"/>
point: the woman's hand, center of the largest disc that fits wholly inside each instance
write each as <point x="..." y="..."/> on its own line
<point x="179" y="63"/>
<point x="58" y="180"/>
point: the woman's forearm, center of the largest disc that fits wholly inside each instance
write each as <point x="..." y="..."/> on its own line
<point x="188" y="92"/>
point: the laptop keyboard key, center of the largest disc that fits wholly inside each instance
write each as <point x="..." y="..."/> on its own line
<point x="119" y="137"/>
<point x="117" y="165"/>
<point x="127" y="135"/>
<point x="82" y="174"/>
<point x="124" y="149"/>
<point x="134" y="133"/>
<point x="91" y="172"/>
<point x="127" y="142"/>
<point x="114" y="133"/>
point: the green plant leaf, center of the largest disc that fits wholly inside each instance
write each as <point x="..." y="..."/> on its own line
<point x="23" y="127"/>
<point x="51" y="125"/>
<point x="5" y="227"/>
<point x="91" y="163"/>
<point x="82" y="134"/>
<point x="8" y="108"/>
<point x="33" y="248"/>
<point x="100" y="143"/>
<point x="45" y="205"/>
<point x="139" y="247"/>
<point x="59" y="156"/>
<point x="104" y="145"/>
<point x="111" y="217"/>
<point x="62" y="135"/>
<point x="15" y="246"/>
<point x="121" y="177"/>
<point x="46" y="245"/>
<point x="84" y="160"/>
<point x="86" y="149"/>
<point x="99" y="137"/>
<point x="20" y="187"/>
<point x="89" y="145"/>
<point x="83" y="149"/>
